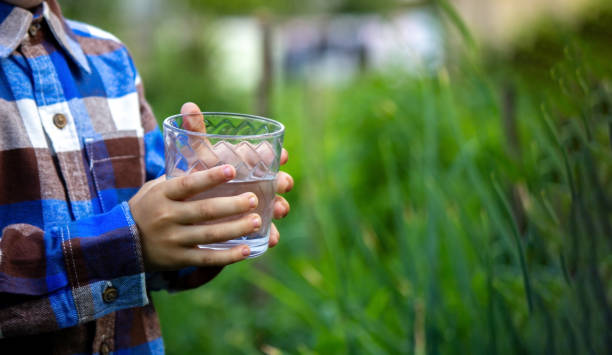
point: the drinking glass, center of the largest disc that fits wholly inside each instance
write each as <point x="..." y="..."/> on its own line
<point x="251" y="144"/>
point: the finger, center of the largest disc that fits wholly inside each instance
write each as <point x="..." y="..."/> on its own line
<point x="284" y="157"/>
<point x="207" y="257"/>
<point x="184" y="187"/>
<point x="220" y="232"/>
<point x="274" y="236"/>
<point x="284" y="182"/>
<point x="193" y="120"/>
<point x="281" y="207"/>
<point x="214" y="208"/>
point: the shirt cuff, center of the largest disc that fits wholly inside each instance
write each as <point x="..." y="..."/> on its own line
<point x="183" y="279"/>
<point x="104" y="263"/>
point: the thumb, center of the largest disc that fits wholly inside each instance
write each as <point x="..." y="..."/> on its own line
<point x="193" y="120"/>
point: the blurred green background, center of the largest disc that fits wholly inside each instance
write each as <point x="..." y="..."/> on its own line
<point x="452" y="166"/>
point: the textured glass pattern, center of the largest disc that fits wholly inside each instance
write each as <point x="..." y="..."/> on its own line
<point x="251" y="144"/>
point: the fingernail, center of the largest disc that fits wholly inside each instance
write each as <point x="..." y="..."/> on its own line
<point x="246" y="251"/>
<point x="227" y="172"/>
<point x="252" y="201"/>
<point x="256" y="222"/>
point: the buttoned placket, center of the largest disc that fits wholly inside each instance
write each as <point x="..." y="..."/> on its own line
<point x="59" y="127"/>
<point x="56" y="118"/>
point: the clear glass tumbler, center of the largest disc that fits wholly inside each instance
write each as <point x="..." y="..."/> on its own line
<point x="252" y="144"/>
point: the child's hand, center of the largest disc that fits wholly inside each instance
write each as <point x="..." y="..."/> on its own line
<point x="168" y="225"/>
<point x="284" y="182"/>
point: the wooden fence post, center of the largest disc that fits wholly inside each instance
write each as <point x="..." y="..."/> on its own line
<point x="264" y="88"/>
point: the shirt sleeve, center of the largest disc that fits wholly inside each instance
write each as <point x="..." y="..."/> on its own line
<point x="153" y="140"/>
<point x="69" y="274"/>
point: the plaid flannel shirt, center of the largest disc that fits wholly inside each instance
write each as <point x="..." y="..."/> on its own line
<point x="77" y="140"/>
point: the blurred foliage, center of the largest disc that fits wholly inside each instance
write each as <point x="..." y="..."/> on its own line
<point x="464" y="212"/>
<point x="92" y="9"/>
<point x="98" y="13"/>
<point x="296" y="7"/>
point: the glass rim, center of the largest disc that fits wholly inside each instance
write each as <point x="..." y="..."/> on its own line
<point x="279" y="132"/>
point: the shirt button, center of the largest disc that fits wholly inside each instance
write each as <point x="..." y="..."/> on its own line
<point x="33" y="29"/>
<point x="105" y="348"/>
<point x="59" y="120"/>
<point x="110" y="293"/>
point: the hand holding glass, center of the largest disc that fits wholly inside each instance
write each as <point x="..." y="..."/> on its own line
<point x="250" y="143"/>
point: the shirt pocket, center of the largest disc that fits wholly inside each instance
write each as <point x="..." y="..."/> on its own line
<point x="116" y="165"/>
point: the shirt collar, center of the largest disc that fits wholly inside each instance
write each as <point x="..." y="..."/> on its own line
<point x="14" y="23"/>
